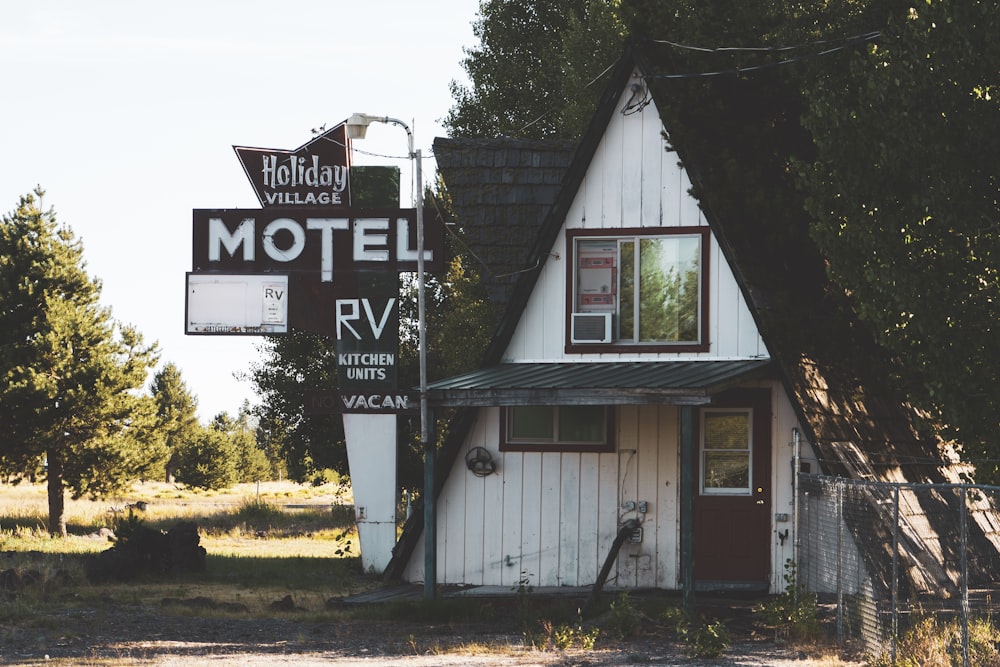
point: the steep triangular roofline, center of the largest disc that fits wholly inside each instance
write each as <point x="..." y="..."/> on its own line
<point x="829" y="384"/>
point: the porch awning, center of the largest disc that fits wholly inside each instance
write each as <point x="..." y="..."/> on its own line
<point x="626" y="383"/>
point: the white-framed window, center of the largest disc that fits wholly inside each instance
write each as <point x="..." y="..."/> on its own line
<point x="556" y="428"/>
<point x="652" y="284"/>
<point x="726" y="451"/>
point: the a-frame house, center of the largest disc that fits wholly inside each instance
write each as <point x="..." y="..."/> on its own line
<point x="663" y="362"/>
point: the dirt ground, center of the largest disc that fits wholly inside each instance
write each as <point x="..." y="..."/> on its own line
<point x="127" y="634"/>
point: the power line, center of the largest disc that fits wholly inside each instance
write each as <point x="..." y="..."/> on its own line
<point x="846" y="44"/>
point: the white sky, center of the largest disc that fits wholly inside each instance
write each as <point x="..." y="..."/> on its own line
<point x="126" y="112"/>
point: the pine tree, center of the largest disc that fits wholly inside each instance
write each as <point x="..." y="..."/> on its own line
<point x="176" y="414"/>
<point x="69" y="374"/>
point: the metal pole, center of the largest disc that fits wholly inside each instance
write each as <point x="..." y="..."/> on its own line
<point x="840" y="563"/>
<point x="964" y="543"/>
<point x="895" y="570"/>
<point x="430" y="513"/>
<point x="688" y="451"/>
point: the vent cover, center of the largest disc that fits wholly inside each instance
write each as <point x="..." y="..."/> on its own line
<point x="591" y="328"/>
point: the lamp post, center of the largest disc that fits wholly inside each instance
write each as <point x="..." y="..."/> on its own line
<point x="357" y="126"/>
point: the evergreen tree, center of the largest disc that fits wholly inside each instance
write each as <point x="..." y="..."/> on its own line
<point x="209" y="460"/>
<point x="290" y="366"/>
<point x="69" y="375"/>
<point x="176" y="414"/>
<point x="534" y="73"/>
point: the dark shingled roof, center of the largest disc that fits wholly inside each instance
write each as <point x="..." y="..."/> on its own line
<point x="502" y="190"/>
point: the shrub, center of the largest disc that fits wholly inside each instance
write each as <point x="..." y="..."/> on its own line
<point x="624" y="619"/>
<point x="794" y="614"/>
<point x="703" y="639"/>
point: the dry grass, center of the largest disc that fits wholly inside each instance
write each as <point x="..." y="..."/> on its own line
<point x="303" y="524"/>
<point x="263" y="542"/>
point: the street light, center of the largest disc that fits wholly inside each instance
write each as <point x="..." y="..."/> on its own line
<point x="357" y="126"/>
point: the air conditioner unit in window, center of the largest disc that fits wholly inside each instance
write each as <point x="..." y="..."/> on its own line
<point x="591" y="328"/>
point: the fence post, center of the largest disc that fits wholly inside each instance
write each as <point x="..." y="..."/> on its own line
<point x="895" y="569"/>
<point x="964" y="542"/>
<point x="840" y="563"/>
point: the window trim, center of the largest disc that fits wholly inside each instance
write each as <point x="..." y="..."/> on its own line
<point x="506" y="445"/>
<point x="726" y="491"/>
<point x="572" y="235"/>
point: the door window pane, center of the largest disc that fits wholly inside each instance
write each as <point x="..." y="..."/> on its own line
<point x="726" y="450"/>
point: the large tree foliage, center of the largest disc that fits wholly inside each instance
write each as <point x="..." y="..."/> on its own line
<point x="70" y="377"/>
<point x="292" y="365"/>
<point x="905" y="195"/>
<point x="533" y="72"/>
<point x="176" y="414"/>
<point x="222" y="454"/>
<point x="882" y="150"/>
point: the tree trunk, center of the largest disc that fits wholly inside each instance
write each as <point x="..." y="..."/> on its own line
<point x="57" y="499"/>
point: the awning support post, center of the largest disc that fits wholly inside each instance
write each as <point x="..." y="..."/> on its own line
<point x="689" y="450"/>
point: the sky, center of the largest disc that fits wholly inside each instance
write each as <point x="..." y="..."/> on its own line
<point x="126" y="113"/>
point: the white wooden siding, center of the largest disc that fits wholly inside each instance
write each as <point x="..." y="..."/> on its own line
<point x="633" y="181"/>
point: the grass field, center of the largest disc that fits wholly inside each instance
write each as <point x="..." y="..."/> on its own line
<point x="262" y="541"/>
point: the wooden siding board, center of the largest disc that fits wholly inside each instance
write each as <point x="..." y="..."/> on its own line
<point x="632" y="165"/>
<point x="690" y="212"/>
<point x="652" y="170"/>
<point x="610" y="170"/>
<point x="451" y="523"/>
<point x="551" y="481"/>
<point x="607" y="511"/>
<point x="590" y="524"/>
<point x="667" y="485"/>
<point x="647" y="483"/>
<point x="510" y="554"/>
<point x="476" y="518"/>
<point x="493" y="502"/>
<point x="570" y="526"/>
<point x="531" y="517"/>
<point x="593" y="192"/>
<point x="671" y="192"/>
<point x="629" y="437"/>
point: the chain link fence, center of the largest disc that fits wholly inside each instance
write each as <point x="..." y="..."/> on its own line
<point x="887" y="555"/>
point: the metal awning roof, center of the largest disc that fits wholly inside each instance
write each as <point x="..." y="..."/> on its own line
<point x="627" y="383"/>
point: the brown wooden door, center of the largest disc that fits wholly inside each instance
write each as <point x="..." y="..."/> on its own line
<point x="732" y="508"/>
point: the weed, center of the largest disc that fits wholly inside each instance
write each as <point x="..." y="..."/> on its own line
<point x="704" y="639"/>
<point x="931" y="643"/>
<point x="794" y="614"/>
<point x="562" y="636"/>
<point x="624" y="618"/>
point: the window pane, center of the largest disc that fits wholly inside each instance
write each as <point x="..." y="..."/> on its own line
<point x="583" y="423"/>
<point x="726" y="471"/>
<point x="532" y="422"/>
<point x="626" y="311"/>
<point x="596" y="280"/>
<point x="668" y="289"/>
<point x="727" y="430"/>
